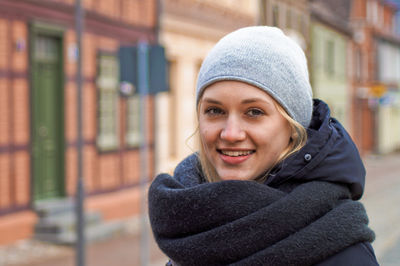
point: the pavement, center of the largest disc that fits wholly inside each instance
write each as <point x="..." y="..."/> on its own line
<point x="381" y="199"/>
<point x="123" y="249"/>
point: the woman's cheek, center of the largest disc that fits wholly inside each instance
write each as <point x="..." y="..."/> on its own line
<point x="207" y="132"/>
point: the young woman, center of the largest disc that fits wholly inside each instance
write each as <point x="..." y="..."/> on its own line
<point x="276" y="179"/>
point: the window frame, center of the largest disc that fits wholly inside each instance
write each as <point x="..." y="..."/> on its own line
<point x="329" y="64"/>
<point x="133" y="134"/>
<point x="107" y="141"/>
<point x="275" y="15"/>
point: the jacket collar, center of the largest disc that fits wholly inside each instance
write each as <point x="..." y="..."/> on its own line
<point x="329" y="155"/>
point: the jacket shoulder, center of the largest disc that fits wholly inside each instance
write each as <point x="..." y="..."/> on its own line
<point x="360" y="254"/>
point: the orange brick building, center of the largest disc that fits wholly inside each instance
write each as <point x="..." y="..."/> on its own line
<point x="38" y="108"/>
<point x="373" y="25"/>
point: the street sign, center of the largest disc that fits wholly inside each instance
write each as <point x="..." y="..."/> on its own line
<point x="378" y="90"/>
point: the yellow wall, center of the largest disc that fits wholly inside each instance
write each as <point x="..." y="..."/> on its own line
<point x="332" y="86"/>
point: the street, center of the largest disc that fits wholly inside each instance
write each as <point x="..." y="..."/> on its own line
<point x="381" y="199"/>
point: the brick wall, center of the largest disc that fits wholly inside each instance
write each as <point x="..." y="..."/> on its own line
<point x="4" y="35"/>
<point x="5" y="182"/>
<point x="131" y="12"/>
<point x="5" y="112"/>
<point x="359" y="9"/>
<point x="103" y="172"/>
<point x="15" y="116"/>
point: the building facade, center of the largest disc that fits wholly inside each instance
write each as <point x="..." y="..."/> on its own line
<point x="38" y="106"/>
<point x="189" y="29"/>
<point x="330" y="57"/>
<point x="376" y="88"/>
<point x="293" y="17"/>
<point x="388" y="113"/>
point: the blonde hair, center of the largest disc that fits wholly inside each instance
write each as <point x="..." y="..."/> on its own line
<point x="297" y="141"/>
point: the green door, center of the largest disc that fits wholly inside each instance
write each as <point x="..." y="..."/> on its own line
<point x="47" y="117"/>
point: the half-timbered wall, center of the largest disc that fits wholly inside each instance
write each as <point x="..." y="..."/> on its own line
<point x="108" y="24"/>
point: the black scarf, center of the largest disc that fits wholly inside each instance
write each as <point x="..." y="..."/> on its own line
<point x="248" y="223"/>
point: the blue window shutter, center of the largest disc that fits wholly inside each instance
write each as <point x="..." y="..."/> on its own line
<point x="128" y="66"/>
<point x="158" y="73"/>
<point x="158" y="70"/>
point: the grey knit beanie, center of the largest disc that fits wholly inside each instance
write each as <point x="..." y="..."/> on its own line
<point x="266" y="58"/>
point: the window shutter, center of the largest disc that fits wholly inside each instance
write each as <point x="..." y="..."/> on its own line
<point x="158" y="70"/>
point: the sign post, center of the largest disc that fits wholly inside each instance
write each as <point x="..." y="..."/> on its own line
<point x="143" y="87"/>
<point x="143" y="70"/>
<point x="80" y="189"/>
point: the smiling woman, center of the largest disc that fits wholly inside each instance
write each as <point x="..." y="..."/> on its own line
<point x="276" y="180"/>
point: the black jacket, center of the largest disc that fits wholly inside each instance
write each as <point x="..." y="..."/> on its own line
<point x="329" y="155"/>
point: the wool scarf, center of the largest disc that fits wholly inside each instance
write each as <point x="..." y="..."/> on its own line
<point x="249" y="223"/>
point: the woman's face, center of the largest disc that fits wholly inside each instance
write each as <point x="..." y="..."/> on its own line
<point x="241" y="130"/>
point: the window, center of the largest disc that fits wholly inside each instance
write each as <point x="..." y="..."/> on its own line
<point x="133" y="135"/>
<point x="275" y="16"/>
<point x="262" y="19"/>
<point x="107" y="83"/>
<point x="388" y="63"/>
<point x="372" y="11"/>
<point x="381" y="15"/>
<point x="302" y="25"/>
<point x="288" y="18"/>
<point x="358" y="62"/>
<point x="300" y="22"/>
<point x="329" y="58"/>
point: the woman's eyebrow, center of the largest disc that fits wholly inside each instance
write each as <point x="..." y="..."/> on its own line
<point x="253" y="100"/>
<point x="210" y="100"/>
<point x="245" y="101"/>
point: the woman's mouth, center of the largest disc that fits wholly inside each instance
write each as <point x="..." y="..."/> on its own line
<point x="235" y="153"/>
<point x="235" y="157"/>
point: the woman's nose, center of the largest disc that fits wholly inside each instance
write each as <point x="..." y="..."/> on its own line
<point x="232" y="131"/>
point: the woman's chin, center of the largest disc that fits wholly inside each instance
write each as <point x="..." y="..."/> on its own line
<point x="234" y="176"/>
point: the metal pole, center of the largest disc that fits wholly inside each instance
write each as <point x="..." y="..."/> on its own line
<point x="143" y="86"/>
<point x="80" y="189"/>
<point x="158" y="18"/>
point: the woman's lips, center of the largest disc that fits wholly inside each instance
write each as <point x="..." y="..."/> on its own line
<point x="235" y="157"/>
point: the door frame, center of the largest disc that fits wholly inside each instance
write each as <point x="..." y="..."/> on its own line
<point x="36" y="28"/>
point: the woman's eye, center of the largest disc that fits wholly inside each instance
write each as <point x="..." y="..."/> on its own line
<point x="213" y="111"/>
<point x="255" y="112"/>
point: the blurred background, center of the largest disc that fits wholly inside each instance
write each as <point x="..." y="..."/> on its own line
<point x="138" y="111"/>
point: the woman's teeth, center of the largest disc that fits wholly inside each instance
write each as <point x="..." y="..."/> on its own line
<point x="236" y="153"/>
